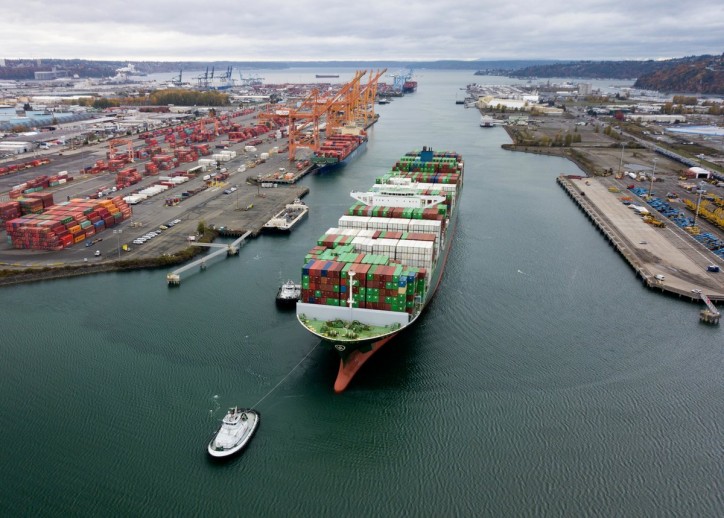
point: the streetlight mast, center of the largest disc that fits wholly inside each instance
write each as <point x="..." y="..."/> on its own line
<point x="620" y="162"/>
<point x="700" y="191"/>
<point x="118" y="233"/>
<point x="651" y="185"/>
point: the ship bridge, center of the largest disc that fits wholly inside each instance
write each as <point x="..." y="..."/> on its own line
<point x="398" y="192"/>
<point x="392" y="196"/>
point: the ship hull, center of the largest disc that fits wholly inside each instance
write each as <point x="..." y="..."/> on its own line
<point x="326" y="164"/>
<point x="351" y="362"/>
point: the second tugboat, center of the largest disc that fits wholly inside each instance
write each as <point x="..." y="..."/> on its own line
<point x="288" y="294"/>
<point x="236" y="431"/>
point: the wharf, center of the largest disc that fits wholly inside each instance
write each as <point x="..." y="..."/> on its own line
<point x="270" y="177"/>
<point x="246" y="210"/>
<point x="665" y="259"/>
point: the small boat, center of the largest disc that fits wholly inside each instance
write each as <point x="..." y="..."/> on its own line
<point x="236" y="431"/>
<point x="288" y="293"/>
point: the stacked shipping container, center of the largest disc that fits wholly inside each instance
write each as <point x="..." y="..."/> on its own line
<point x="337" y="148"/>
<point x="65" y="224"/>
<point x="391" y="287"/>
<point x="391" y="250"/>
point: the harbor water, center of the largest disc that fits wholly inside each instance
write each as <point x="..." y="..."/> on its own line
<point x="544" y="379"/>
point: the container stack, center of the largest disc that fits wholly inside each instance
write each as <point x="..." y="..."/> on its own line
<point x="9" y="210"/>
<point x="164" y="162"/>
<point x="185" y="154"/>
<point x="339" y="147"/>
<point x="392" y="287"/>
<point x="66" y="224"/>
<point x="392" y="250"/>
<point x="201" y="149"/>
<point x="127" y="177"/>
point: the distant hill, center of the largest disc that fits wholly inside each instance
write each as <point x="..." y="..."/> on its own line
<point x="695" y="74"/>
<point x="703" y="74"/>
<point x="592" y="69"/>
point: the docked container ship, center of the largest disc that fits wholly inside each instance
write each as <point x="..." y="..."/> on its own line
<point x="409" y="87"/>
<point x="373" y="274"/>
<point x="339" y="149"/>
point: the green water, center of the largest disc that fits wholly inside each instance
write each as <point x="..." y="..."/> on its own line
<point x="542" y="380"/>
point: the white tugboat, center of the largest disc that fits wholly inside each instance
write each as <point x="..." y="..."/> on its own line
<point x="288" y="293"/>
<point x="236" y="431"/>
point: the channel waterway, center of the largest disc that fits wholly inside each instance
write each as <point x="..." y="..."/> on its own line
<point x="544" y="379"/>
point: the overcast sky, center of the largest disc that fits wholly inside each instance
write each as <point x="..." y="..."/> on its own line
<point x="299" y="30"/>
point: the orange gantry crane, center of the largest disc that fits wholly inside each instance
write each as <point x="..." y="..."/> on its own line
<point x="352" y="104"/>
<point x="116" y="152"/>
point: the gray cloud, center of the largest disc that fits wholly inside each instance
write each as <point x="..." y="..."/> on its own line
<point x="288" y="30"/>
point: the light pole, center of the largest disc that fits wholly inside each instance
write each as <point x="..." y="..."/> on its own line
<point x="351" y="298"/>
<point x="620" y="162"/>
<point x="118" y="240"/>
<point x="651" y="185"/>
<point x="700" y="191"/>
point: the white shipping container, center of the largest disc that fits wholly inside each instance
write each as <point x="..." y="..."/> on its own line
<point x="353" y="222"/>
<point x="250" y="149"/>
<point x="398" y="224"/>
<point x="385" y="246"/>
<point x="363" y="244"/>
<point x="378" y="223"/>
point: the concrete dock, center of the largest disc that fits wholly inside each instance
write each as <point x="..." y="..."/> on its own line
<point x="666" y="259"/>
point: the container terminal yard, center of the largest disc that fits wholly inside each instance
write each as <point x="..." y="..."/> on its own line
<point x="232" y="170"/>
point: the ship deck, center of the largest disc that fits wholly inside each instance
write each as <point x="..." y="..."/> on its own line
<point x="345" y="330"/>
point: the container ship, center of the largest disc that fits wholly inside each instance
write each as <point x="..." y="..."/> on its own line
<point x="409" y="86"/>
<point x="340" y="149"/>
<point x="372" y="275"/>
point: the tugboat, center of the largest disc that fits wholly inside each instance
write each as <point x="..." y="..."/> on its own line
<point x="236" y="431"/>
<point x="288" y="294"/>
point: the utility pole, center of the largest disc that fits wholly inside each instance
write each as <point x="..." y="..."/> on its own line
<point x="118" y="240"/>
<point x="651" y="185"/>
<point x="700" y="191"/>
